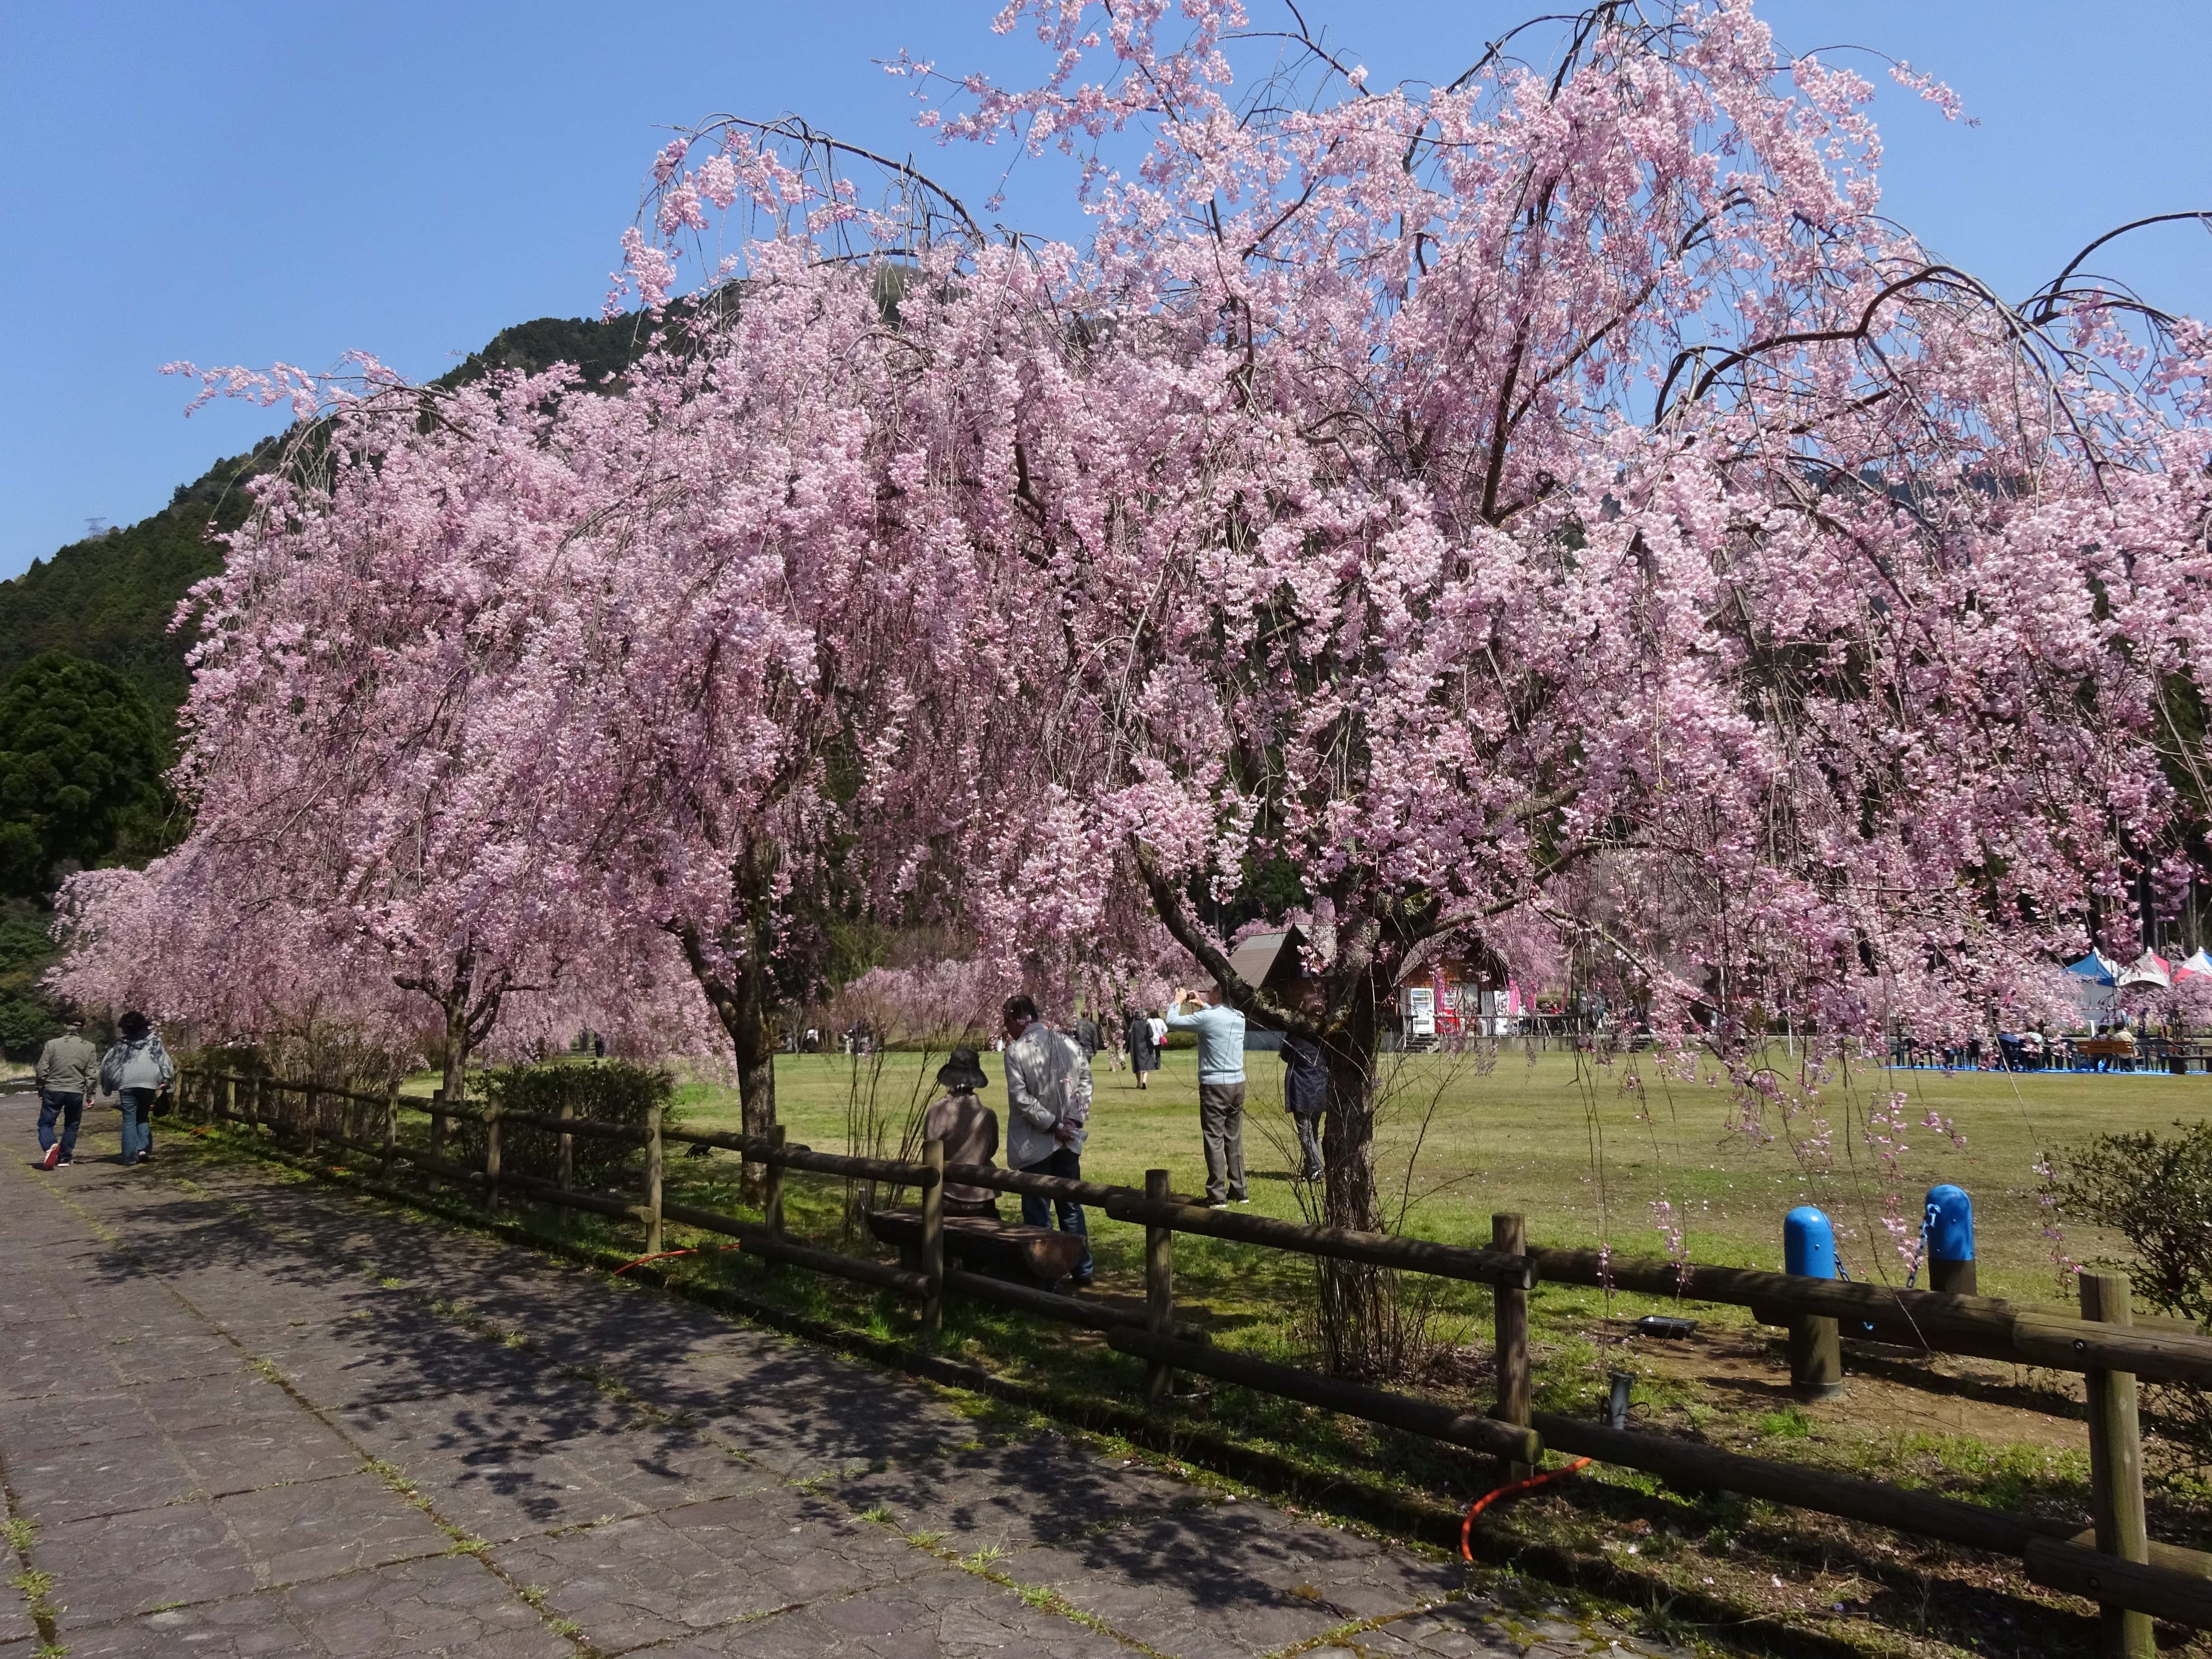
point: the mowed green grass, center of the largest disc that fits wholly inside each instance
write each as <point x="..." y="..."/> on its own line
<point x="1561" y="1138"/>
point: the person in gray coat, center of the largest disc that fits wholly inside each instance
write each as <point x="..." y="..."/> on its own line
<point x="68" y="1071"/>
<point x="1047" y="1110"/>
<point x="137" y="1071"/>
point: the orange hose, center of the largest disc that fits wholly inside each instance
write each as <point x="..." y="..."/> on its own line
<point x="659" y="1256"/>
<point x="1467" y="1527"/>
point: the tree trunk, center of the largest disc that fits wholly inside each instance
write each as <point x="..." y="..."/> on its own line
<point x="752" y="1036"/>
<point x="457" y="1049"/>
<point x="1355" y="1311"/>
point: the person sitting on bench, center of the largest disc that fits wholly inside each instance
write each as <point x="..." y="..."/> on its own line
<point x="968" y="1128"/>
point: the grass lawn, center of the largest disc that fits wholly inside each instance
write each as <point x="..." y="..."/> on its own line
<point x="1561" y="1139"/>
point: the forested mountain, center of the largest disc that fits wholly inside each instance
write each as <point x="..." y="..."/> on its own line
<point x="110" y="598"/>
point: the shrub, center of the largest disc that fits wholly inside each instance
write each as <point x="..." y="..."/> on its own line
<point x="606" y="1091"/>
<point x="2157" y="1193"/>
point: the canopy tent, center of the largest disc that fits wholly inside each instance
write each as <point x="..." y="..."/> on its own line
<point x="2148" y="969"/>
<point x="2096" y="968"/>
<point x="2191" y="967"/>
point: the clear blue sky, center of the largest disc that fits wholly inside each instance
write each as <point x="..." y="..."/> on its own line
<point x="237" y="182"/>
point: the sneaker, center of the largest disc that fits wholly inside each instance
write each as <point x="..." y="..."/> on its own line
<point x="53" y="1156"/>
<point x="1216" y="1203"/>
<point x="65" y="1164"/>
<point x="1082" y="1283"/>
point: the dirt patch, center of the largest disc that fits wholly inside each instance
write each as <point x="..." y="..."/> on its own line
<point x="1746" y="1369"/>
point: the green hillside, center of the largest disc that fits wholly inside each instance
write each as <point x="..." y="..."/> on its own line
<point x="110" y="598"/>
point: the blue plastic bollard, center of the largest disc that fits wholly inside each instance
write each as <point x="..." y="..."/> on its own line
<point x="1951" y="1240"/>
<point x="1808" y="1244"/>
<point x="1816" y="1354"/>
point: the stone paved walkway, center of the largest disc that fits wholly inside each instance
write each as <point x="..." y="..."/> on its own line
<point x="241" y="1415"/>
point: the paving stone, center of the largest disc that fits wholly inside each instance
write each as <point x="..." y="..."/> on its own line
<point x="30" y="1428"/>
<point x="241" y="1627"/>
<point x="16" y="1624"/>
<point x="58" y="1484"/>
<point x="1246" y="1580"/>
<point x="263" y="1451"/>
<point x="534" y="1411"/>
<point x="650" y="1577"/>
<point x="43" y="1375"/>
<point x="106" y="1569"/>
<point x="323" y="1527"/>
<point x="246" y="1396"/>
<point x="449" y="1605"/>
<point x="176" y="1357"/>
<point x="1035" y="1490"/>
<point x="945" y="1614"/>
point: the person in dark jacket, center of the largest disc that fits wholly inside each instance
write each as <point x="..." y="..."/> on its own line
<point x="1305" y="1097"/>
<point x="1144" y="1053"/>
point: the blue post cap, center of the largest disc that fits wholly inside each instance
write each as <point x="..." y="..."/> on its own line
<point x="1950" y="1223"/>
<point x="1808" y="1244"/>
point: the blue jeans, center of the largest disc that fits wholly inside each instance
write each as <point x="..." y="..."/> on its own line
<point x="70" y="1109"/>
<point x="138" y="1121"/>
<point x="1038" y="1212"/>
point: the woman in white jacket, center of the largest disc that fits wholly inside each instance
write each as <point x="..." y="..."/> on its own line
<point x="137" y="1070"/>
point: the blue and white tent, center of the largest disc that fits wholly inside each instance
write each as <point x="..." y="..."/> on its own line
<point x="2096" y="968"/>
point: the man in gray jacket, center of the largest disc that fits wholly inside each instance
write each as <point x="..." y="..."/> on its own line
<point x="1047" y="1106"/>
<point x="68" y="1071"/>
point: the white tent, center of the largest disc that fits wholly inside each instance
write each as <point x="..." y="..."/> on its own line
<point x="2148" y="969"/>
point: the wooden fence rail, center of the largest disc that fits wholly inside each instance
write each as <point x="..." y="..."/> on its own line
<point x="2130" y="1578"/>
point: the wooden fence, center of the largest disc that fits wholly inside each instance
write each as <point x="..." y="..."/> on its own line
<point x="2113" y="1562"/>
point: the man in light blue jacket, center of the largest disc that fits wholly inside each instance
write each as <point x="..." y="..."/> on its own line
<point x="1220" y="1090"/>
<point x="137" y="1070"/>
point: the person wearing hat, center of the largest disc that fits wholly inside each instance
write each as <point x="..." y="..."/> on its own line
<point x="968" y="1128"/>
<point x="68" y="1071"/>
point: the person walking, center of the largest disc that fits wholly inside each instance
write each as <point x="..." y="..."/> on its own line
<point x="968" y="1128"/>
<point x="68" y="1071"/>
<point x="137" y="1071"/>
<point x="1305" y="1097"/>
<point x="1220" y="1092"/>
<point x="1144" y="1046"/>
<point x="1048" y="1107"/>
<point x="1086" y="1033"/>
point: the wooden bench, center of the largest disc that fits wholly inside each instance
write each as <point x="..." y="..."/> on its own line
<point x="1038" y="1257"/>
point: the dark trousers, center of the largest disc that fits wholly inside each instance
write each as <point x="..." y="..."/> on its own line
<point x="1067" y="1163"/>
<point x="1309" y="1127"/>
<point x="1221" y="1124"/>
<point x="70" y="1109"/>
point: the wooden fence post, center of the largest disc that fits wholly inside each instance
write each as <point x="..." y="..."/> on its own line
<point x="568" y="1172"/>
<point x="772" y="1200"/>
<point x="491" y="1151"/>
<point x="1159" y="1295"/>
<point x="391" y="1128"/>
<point x="2116" y="1490"/>
<point x="652" y="1179"/>
<point x="1509" y="1235"/>
<point x="437" y="1123"/>
<point x="933" y="1239"/>
<point x="311" y="1099"/>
